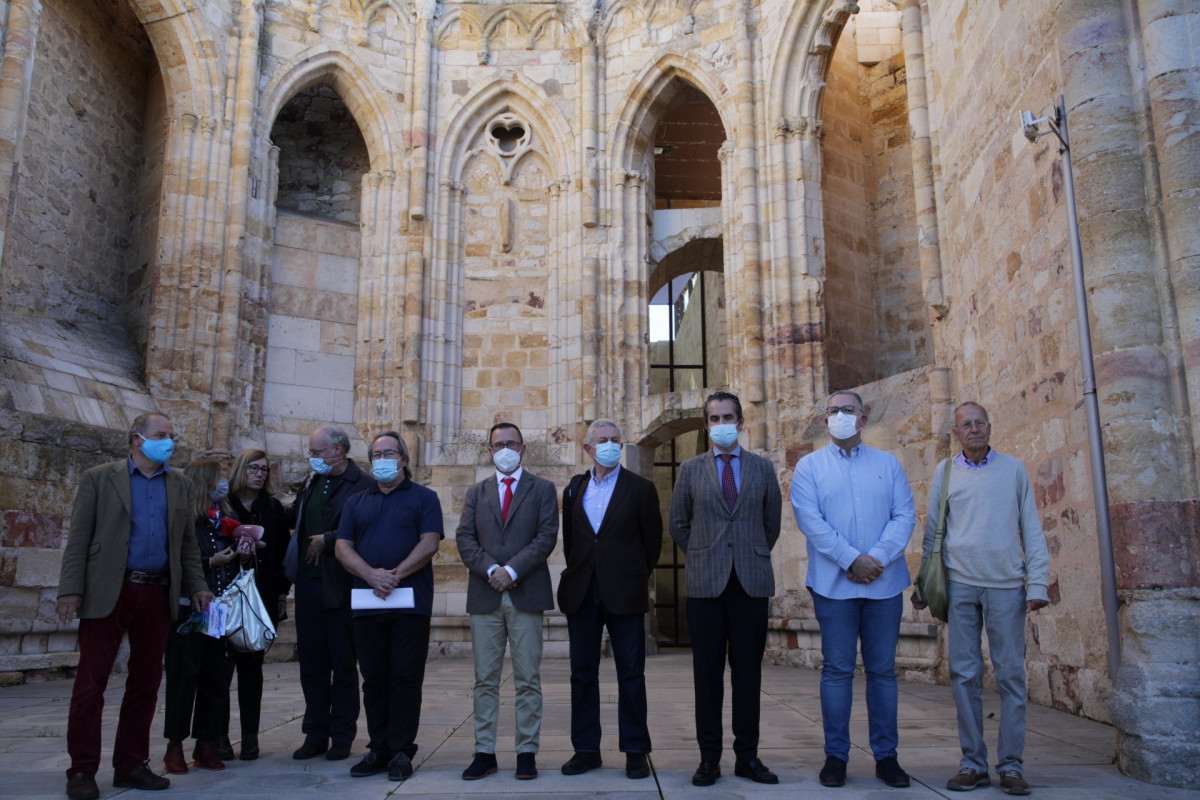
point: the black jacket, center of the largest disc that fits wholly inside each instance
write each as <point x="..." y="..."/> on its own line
<point x="335" y="581"/>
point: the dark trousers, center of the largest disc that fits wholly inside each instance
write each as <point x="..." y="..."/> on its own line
<point x="392" y="649"/>
<point x="328" y="674"/>
<point x="249" y="668"/>
<point x="199" y="671"/>
<point x="141" y="612"/>
<point x="736" y="623"/>
<point x="627" y="635"/>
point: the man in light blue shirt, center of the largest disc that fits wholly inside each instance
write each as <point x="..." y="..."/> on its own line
<point x="855" y="508"/>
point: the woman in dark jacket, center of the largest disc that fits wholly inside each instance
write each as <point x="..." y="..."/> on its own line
<point x="198" y="668"/>
<point x="252" y="502"/>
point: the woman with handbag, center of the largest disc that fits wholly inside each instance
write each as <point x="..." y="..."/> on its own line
<point x="253" y="503"/>
<point x="198" y="666"/>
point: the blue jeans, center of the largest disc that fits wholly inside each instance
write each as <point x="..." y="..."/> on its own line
<point x="843" y="624"/>
<point x="1002" y="612"/>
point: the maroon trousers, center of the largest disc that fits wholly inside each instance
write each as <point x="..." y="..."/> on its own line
<point x="142" y="613"/>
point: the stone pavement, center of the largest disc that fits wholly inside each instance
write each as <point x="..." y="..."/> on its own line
<point x="1067" y="757"/>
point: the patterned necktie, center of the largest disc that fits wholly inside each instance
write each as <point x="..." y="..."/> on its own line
<point x="728" y="484"/>
<point x="508" y="482"/>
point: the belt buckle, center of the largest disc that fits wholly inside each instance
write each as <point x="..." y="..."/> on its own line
<point x="137" y="576"/>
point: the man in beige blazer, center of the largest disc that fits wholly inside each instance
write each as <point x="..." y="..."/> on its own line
<point x="725" y="516"/>
<point x="130" y="554"/>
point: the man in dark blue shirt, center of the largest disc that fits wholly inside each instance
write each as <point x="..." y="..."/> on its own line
<point x="387" y="538"/>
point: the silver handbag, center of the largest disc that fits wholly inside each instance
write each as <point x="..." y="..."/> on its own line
<point x="249" y="629"/>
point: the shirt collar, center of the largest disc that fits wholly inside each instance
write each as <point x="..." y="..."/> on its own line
<point x="610" y="476"/>
<point x="838" y="451"/>
<point x="516" y="476"/>
<point x="969" y="464"/>
<point x="162" y="468"/>
<point x="736" y="452"/>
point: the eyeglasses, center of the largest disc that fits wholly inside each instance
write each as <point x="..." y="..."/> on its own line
<point x="255" y="469"/>
<point x="975" y="424"/>
<point x="851" y="410"/>
<point x="386" y="454"/>
<point x="510" y="445"/>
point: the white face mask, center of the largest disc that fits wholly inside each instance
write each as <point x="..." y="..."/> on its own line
<point x="506" y="460"/>
<point x="842" y="426"/>
<point x="723" y="435"/>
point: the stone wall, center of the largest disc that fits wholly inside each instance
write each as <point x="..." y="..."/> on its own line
<point x="512" y="283"/>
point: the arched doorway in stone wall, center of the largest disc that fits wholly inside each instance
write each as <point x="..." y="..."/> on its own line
<point x="876" y="317"/>
<point x="314" y="269"/>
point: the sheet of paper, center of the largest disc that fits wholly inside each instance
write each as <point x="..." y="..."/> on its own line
<point x="216" y="616"/>
<point x="366" y="599"/>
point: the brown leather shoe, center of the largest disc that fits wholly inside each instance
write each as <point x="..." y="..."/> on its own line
<point x="1013" y="782"/>
<point x="205" y="758"/>
<point x="141" y="778"/>
<point x="82" y="786"/>
<point x="968" y="779"/>
<point x="174" y="761"/>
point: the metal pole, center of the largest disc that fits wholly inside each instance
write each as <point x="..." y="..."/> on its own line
<point x="1108" y="572"/>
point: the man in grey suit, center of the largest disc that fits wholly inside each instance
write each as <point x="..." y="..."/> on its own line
<point x="508" y="527"/>
<point x="725" y="513"/>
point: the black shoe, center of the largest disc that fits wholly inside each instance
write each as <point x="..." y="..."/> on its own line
<point x="706" y="774"/>
<point x="338" y="751"/>
<point x="82" y="786"/>
<point x="755" y="770"/>
<point x="372" y="763"/>
<point x="482" y="765"/>
<point x="400" y="767"/>
<point x="224" y="749"/>
<point x="249" y="748"/>
<point x="141" y="778"/>
<point x="526" y="766"/>
<point x="834" y="772"/>
<point x="637" y="766"/>
<point x="581" y="763"/>
<point x="311" y="749"/>
<point x="888" y="770"/>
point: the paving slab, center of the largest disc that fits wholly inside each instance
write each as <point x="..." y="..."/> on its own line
<point x="1067" y="757"/>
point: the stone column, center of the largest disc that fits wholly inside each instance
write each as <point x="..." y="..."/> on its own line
<point x="16" y="70"/>
<point x="1140" y="376"/>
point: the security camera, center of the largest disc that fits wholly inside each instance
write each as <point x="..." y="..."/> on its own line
<point x="1030" y="125"/>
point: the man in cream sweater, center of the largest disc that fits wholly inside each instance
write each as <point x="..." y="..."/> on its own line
<point x="997" y="560"/>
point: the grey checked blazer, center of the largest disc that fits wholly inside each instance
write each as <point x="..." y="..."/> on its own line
<point x="717" y="541"/>
<point x="524" y="542"/>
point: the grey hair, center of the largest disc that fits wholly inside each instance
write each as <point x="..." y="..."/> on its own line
<point x="603" y="422"/>
<point x="855" y="395"/>
<point x="337" y="437"/>
<point x="987" y="417"/>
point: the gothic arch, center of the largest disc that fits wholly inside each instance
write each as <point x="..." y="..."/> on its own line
<point x="650" y="91"/>
<point x="192" y="83"/>
<point x="797" y="83"/>
<point x="352" y="83"/>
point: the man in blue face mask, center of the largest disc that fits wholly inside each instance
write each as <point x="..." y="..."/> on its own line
<point x="387" y="539"/>
<point x="612" y="535"/>
<point x="324" y="628"/>
<point x="129" y="555"/>
<point x="725" y="514"/>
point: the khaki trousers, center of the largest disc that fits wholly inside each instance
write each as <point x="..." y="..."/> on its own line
<point x="490" y="633"/>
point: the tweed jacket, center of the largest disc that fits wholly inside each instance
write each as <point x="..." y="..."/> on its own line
<point x="524" y="542"/>
<point x="93" y="563"/>
<point x="717" y="541"/>
<point x="621" y="555"/>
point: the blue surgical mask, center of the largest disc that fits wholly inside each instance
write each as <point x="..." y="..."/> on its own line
<point x="157" y="450"/>
<point x="723" y="435"/>
<point x="608" y="454"/>
<point x="221" y="491"/>
<point x="319" y="466"/>
<point x="385" y="470"/>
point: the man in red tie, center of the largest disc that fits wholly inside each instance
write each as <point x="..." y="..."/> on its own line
<point x="725" y="515"/>
<point x="508" y="527"/>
